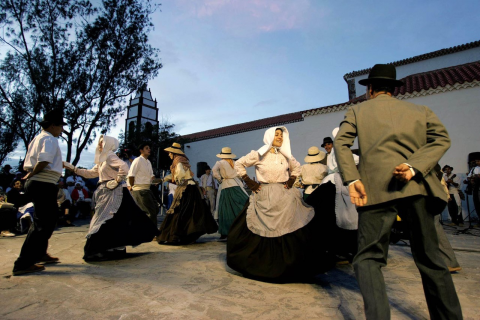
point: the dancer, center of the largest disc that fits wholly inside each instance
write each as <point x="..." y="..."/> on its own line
<point x="118" y="221"/>
<point x="339" y="216"/>
<point x="275" y="237"/>
<point x="313" y="172"/>
<point x="140" y="178"/>
<point x="189" y="216"/>
<point x="231" y="195"/>
<point x="43" y="162"/>
<point x="399" y="143"/>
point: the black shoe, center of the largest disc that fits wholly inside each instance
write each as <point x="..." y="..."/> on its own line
<point x="117" y="254"/>
<point x="31" y="269"/>
<point x="96" y="257"/>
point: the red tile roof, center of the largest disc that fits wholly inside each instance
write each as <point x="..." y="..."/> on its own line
<point x="246" y="126"/>
<point x="421" y="57"/>
<point x="414" y="83"/>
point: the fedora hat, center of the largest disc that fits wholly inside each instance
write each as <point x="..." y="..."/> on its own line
<point x="175" y="148"/>
<point x="382" y="73"/>
<point x="226" y="154"/>
<point x="314" y="155"/>
<point x="326" y="140"/>
<point x="54" y="117"/>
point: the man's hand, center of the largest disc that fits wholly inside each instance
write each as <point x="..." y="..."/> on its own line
<point x="358" y="196"/>
<point x="129" y="188"/>
<point x="27" y="176"/>
<point x="402" y="173"/>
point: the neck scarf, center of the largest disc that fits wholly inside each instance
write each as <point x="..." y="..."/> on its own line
<point x="268" y="140"/>
<point x="180" y="159"/>
<point x="110" y="145"/>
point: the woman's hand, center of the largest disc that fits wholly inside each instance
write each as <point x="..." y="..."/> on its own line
<point x="289" y="183"/>
<point x="68" y="166"/>
<point x="252" y="185"/>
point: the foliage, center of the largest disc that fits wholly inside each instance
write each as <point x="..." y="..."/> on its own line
<point x="91" y="56"/>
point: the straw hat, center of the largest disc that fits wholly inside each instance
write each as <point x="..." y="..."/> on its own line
<point x="175" y="148"/>
<point x="226" y="154"/>
<point x="314" y="155"/>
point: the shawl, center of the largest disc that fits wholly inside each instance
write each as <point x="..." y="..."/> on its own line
<point x="184" y="161"/>
<point x="110" y="145"/>
<point x="268" y="141"/>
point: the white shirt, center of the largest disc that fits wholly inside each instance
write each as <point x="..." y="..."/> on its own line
<point x="207" y="181"/>
<point x="141" y="169"/>
<point x="222" y="171"/>
<point x="451" y="188"/>
<point x="475" y="170"/>
<point x="44" y="148"/>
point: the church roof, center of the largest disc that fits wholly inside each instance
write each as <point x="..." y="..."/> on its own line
<point x="421" y="57"/>
<point x="415" y="83"/>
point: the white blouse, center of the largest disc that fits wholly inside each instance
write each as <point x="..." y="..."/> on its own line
<point x="181" y="174"/>
<point x="108" y="170"/>
<point x="271" y="168"/>
<point x="224" y="173"/>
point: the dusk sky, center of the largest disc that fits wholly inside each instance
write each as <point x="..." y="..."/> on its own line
<point x="227" y="62"/>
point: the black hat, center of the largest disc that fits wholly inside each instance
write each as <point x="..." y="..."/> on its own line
<point x="446" y="166"/>
<point x="382" y="73"/>
<point x="326" y="140"/>
<point x="207" y="168"/>
<point x="54" y="117"/>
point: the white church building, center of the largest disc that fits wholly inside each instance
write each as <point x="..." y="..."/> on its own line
<point x="447" y="81"/>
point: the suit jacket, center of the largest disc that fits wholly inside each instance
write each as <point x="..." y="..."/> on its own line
<point x="391" y="132"/>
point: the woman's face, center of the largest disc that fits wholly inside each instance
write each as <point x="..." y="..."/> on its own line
<point x="170" y="155"/>
<point x="100" y="145"/>
<point x="18" y="185"/>
<point x="278" y="140"/>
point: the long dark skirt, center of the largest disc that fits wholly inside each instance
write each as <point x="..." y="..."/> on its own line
<point x="338" y="241"/>
<point x="190" y="220"/>
<point x="296" y="256"/>
<point x="130" y="226"/>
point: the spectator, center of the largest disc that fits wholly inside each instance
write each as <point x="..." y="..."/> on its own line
<point x="81" y="200"/>
<point x="64" y="202"/>
<point x="8" y="217"/>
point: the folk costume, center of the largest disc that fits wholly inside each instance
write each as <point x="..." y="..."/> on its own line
<point x="231" y="196"/>
<point x="312" y="173"/>
<point x="392" y="132"/>
<point x="207" y="182"/>
<point x="275" y="237"/>
<point x="118" y="221"/>
<point x="42" y="189"/>
<point x="141" y="169"/>
<point x="455" y="202"/>
<point x="189" y="216"/>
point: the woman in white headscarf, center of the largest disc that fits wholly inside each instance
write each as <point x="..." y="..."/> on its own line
<point x="118" y="221"/>
<point x="274" y="238"/>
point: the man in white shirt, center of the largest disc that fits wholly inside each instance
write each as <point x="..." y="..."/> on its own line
<point x="140" y="178"/>
<point x="454" y="202"/>
<point x="43" y="162"/>
<point x="207" y="182"/>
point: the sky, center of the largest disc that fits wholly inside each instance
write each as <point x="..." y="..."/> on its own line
<point x="227" y="62"/>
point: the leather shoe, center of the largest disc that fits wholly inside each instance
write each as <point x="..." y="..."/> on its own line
<point x="31" y="269"/>
<point x="47" y="259"/>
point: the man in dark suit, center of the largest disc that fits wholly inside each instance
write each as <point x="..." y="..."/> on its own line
<point x="399" y="144"/>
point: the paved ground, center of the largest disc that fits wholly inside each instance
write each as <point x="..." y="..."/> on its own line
<point x="193" y="282"/>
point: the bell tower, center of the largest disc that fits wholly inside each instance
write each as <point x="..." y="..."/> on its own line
<point x="142" y="113"/>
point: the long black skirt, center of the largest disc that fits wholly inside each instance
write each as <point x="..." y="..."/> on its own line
<point x="338" y="241"/>
<point x="130" y="226"/>
<point x="190" y="220"/>
<point x="296" y="256"/>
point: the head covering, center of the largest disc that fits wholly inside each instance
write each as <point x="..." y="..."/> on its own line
<point x="384" y="74"/>
<point x="314" y="155"/>
<point x="110" y="145"/>
<point x="54" y="117"/>
<point x="326" y="140"/>
<point x="268" y="140"/>
<point x="226" y="153"/>
<point x="447" y="166"/>
<point x="175" y="148"/>
<point x="334" y="132"/>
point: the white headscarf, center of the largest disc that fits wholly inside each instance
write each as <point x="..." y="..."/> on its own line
<point x="268" y="140"/>
<point x="110" y="145"/>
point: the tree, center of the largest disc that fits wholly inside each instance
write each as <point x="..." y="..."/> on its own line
<point x="93" y="57"/>
<point x="8" y="142"/>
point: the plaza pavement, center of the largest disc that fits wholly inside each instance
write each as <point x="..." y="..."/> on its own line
<point x="193" y="282"/>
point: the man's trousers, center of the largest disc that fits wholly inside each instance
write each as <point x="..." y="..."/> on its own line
<point x="375" y="224"/>
<point x="44" y="198"/>
<point x="146" y="201"/>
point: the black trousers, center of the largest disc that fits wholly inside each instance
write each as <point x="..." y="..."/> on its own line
<point x="375" y="223"/>
<point x="453" y="210"/>
<point x="44" y="198"/>
<point x="8" y="219"/>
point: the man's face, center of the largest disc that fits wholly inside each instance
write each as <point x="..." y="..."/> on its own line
<point x="145" y="151"/>
<point x="328" y="147"/>
<point x="477" y="162"/>
<point x="18" y="185"/>
<point x="78" y="186"/>
<point x="448" y="170"/>
<point x="207" y="172"/>
<point x="57" y="130"/>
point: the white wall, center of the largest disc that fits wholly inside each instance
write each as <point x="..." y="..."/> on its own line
<point x="445" y="61"/>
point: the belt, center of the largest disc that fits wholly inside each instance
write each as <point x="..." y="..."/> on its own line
<point x="209" y="188"/>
